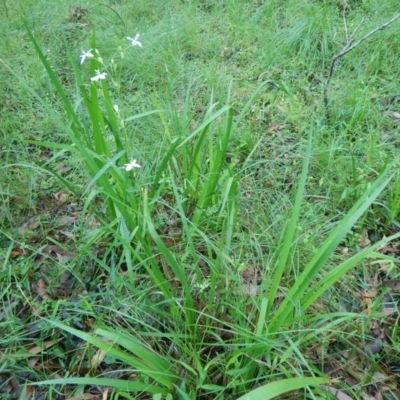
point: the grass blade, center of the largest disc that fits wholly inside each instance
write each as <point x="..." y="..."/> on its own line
<point x="162" y="376"/>
<point x="275" y="389"/>
<point x="290" y="231"/>
<point x="301" y="286"/>
<point x="119" y="384"/>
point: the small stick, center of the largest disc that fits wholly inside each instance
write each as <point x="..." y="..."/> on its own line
<point x="349" y="46"/>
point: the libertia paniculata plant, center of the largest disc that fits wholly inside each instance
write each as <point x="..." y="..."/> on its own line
<point x="195" y="275"/>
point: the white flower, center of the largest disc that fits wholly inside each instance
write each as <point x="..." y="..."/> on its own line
<point x="116" y="108"/>
<point x="99" y="76"/>
<point x="135" y="41"/>
<point x="85" y="55"/>
<point x="131" y="165"/>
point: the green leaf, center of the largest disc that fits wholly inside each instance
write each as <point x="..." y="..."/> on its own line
<point x="301" y="287"/>
<point x="290" y="231"/>
<point x="120" y="384"/>
<point x="275" y="389"/>
<point x="143" y="359"/>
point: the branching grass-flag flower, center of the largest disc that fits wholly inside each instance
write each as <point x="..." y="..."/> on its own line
<point x="135" y="41"/>
<point x="85" y="55"/>
<point x="99" y="76"/>
<point x="131" y="165"/>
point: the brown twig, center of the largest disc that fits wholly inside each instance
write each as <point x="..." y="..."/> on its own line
<point x="349" y="46"/>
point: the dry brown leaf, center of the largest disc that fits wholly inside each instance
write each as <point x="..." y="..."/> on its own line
<point x="389" y="308"/>
<point x="357" y="374"/>
<point x="98" y="358"/>
<point x="387" y="248"/>
<point x="393" y="285"/>
<point x="370" y="294"/>
<point x="60" y="196"/>
<point x="33" y="361"/>
<point x="62" y="255"/>
<point x="31" y="224"/>
<point x="366" y="396"/>
<point x="16" y="388"/>
<point x="41" y="287"/>
<point x="385" y="266"/>
<point x="28" y="393"/>
<point x="364" y="241"/>
<point x="16" y="252"/>
<point x="250" y="290"/>
<point x="63" y="168"/>
<point x="67" y="220"/>
<point x="85" y="396"/>
<point x="274" y="127"/>
<point x="339" y="394"/>
<point x="28" y="229"/>
<point x="373" y="347"/>
<point x="344" y="250"/>
<point x="44" y="346"/>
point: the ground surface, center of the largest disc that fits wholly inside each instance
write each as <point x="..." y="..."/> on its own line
<point x="180" y="293"/>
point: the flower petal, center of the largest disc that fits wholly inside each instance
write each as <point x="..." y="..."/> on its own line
<point x="135" y="41"/>
<point x="85" y="55"/>
<point x="131" y="165"/>
<point x="99" y="76"/>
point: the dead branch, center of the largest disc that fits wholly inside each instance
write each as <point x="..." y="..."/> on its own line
<point x="349" y="46"/>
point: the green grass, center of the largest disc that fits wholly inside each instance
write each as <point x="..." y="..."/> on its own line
<point x="244" y="258"/>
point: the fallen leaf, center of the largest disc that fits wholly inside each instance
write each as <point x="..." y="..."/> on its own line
<point x="16" y="252"/>
<point x="63" y="168"/>
<point x="28" y="228"/>
<point x="85" y="396"/>
<point x="98" y="358"/>
<point x="44" y="346"/>
<point x="62" y="255"/>
<point x="250" y="290"/>
<point x="364" y="241"/>
<point x="33" y="361"/>
<point x="389" y="309"/>
<point x="378" y="396"/>
<point x="339" y="394"/>
<point x="373" y="347"/>
<point x="60" y="196"/>
<point x="31" y="224"/>
<point x="41" y="287"/>
<point x="16" y="388"/>
<point x="388" y="248"/>
<point x="393" y="285"/>
<point x="67" y="220"/>
<point x="274" y="127"/>
<point x="28" y="393"/>
<point x="396" y="115"/>
<point x="366" y="396"/>
<point x="344" y="250"/>
<point x="370" y="294"/>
